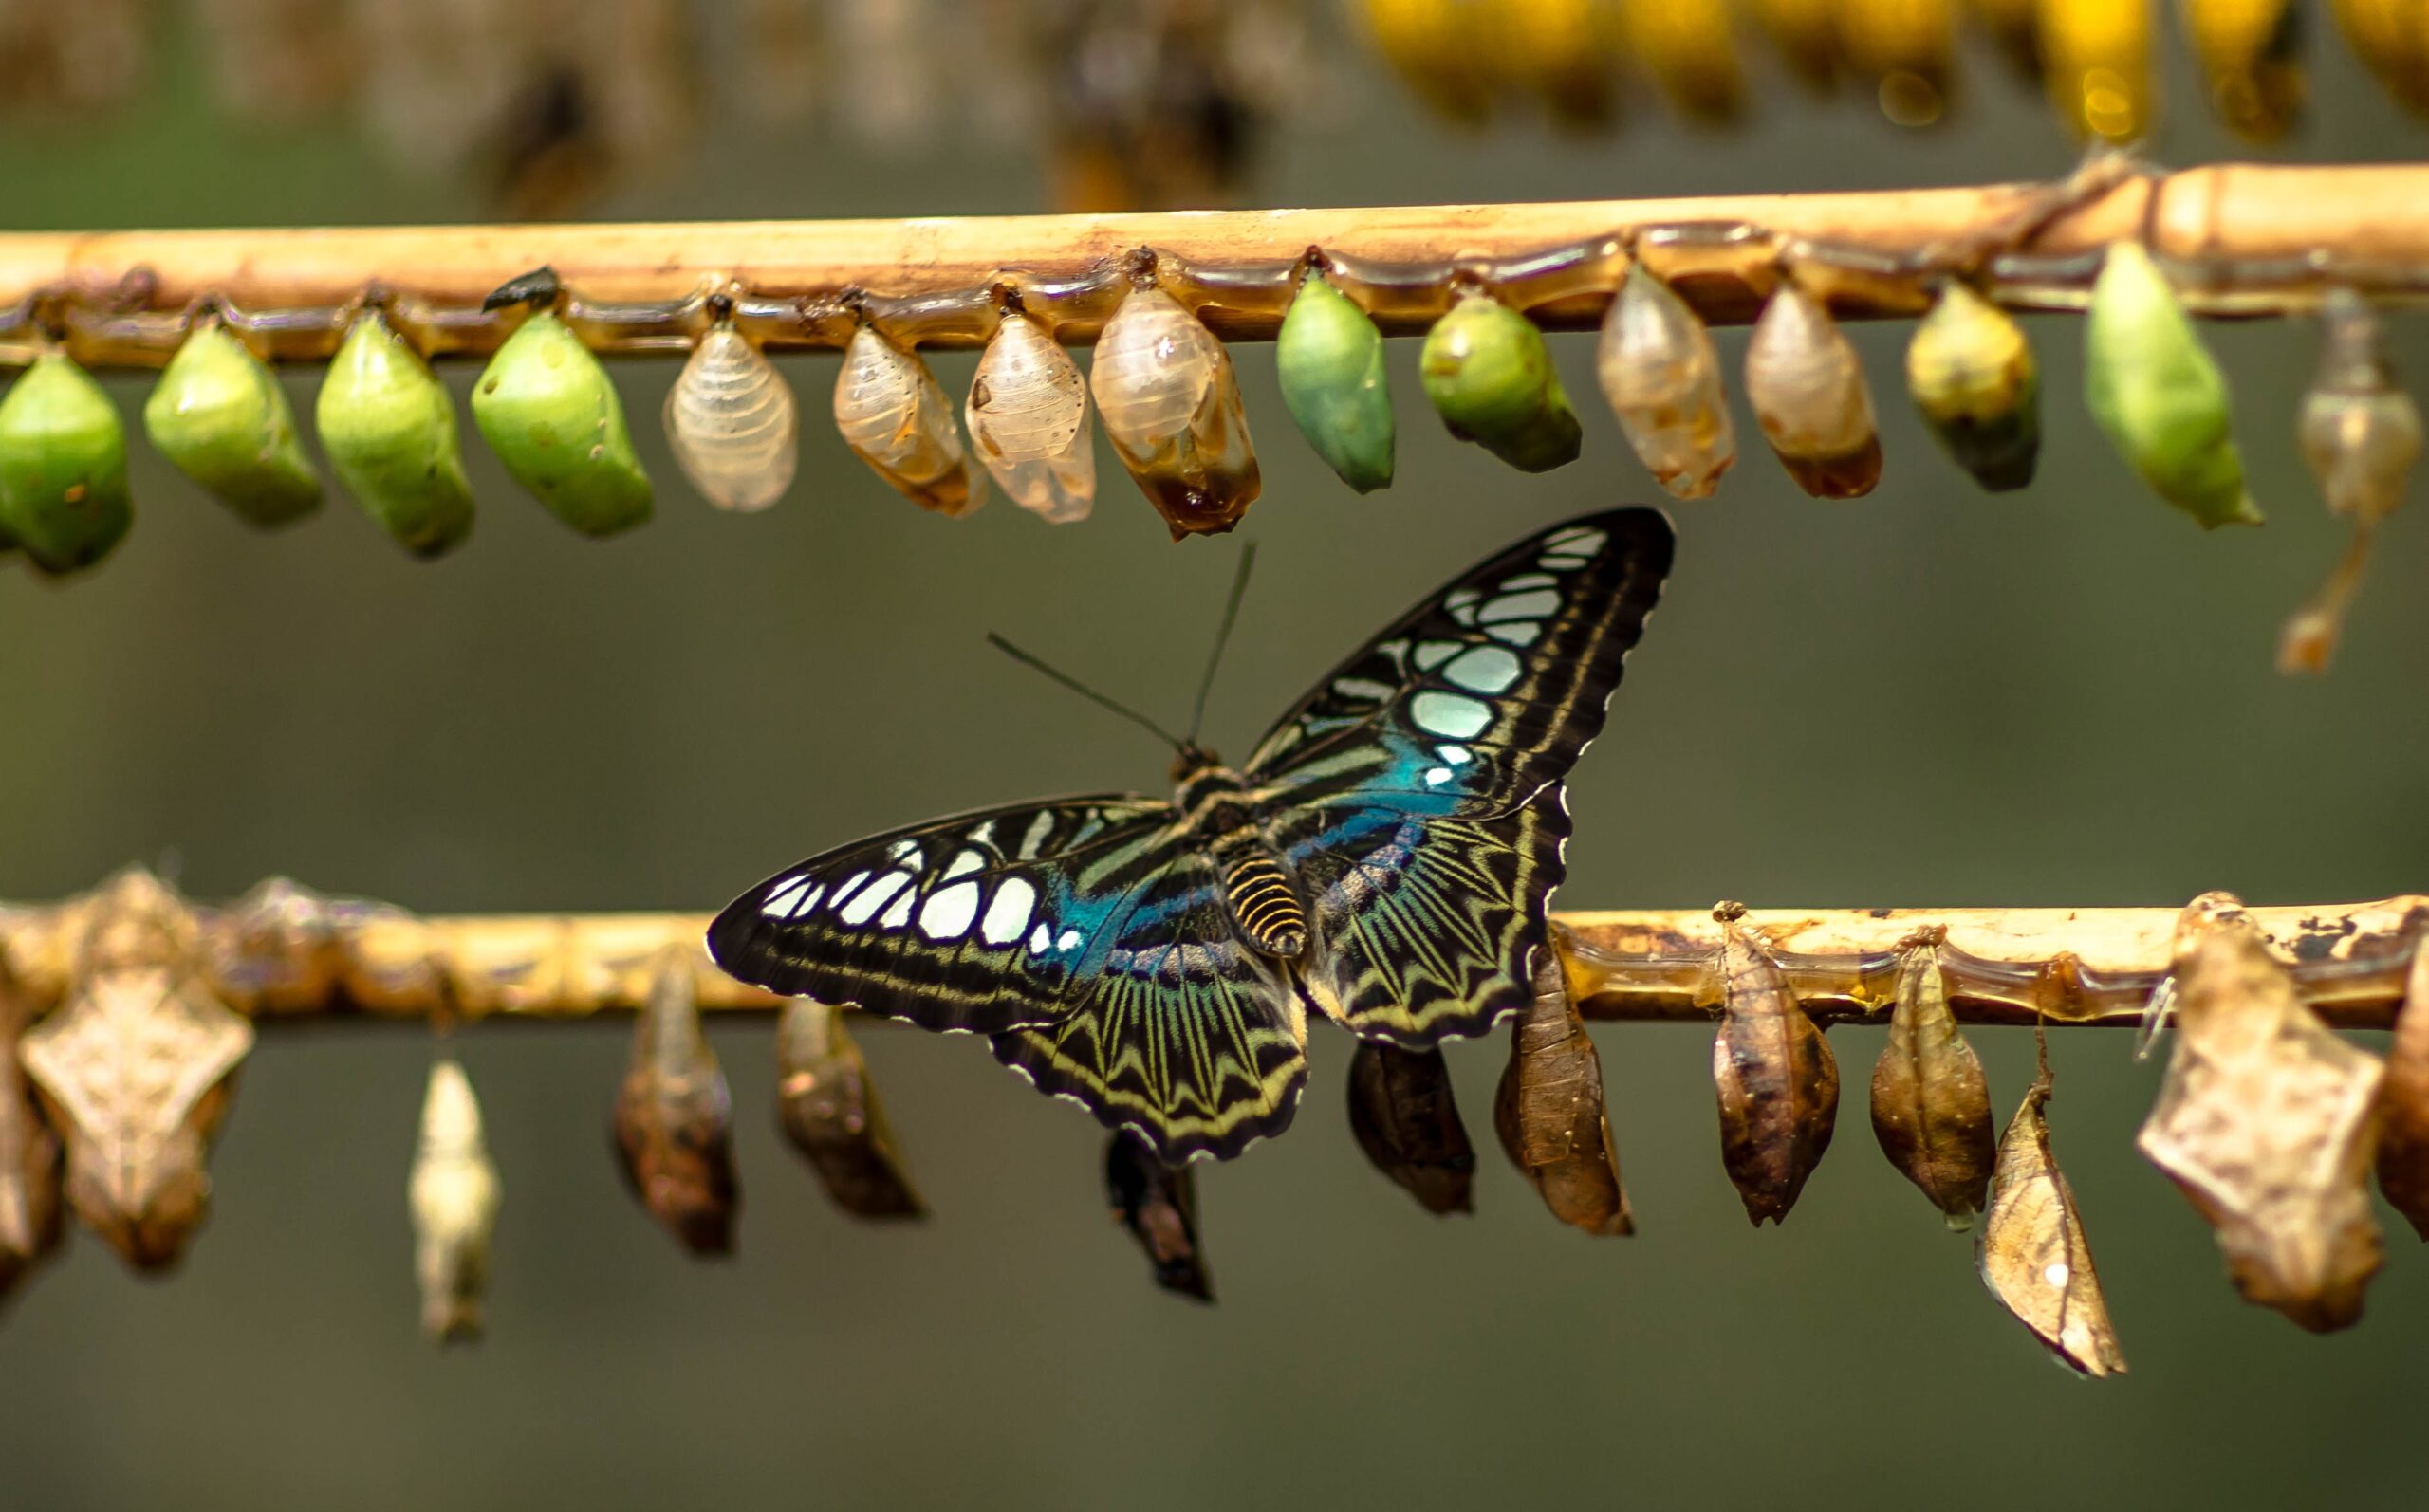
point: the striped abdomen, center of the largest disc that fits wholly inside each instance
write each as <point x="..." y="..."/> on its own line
<point x="1264" y="904"/>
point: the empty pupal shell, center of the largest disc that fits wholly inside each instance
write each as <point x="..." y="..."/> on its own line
<point x="63" y="466"/>
<point x="1549" y="1112"/>
<point x="1775" y="1077"/>
<point x="828" y="1108"/>
<point x="893" y="413"/>
<point x="1657" y="368"/>
<point x="674" y="1119"/>
<point x="29" y="1150"/>
<point x="1028" y="421"/>
<point x="2249" y="49"/>
<point x="2096" y="58"/>
<point x="1170" y="406"/>
<point x="550" y="410"/>
<point x="2032" y="1254"/>
<point x="2360" y="432"/>
<point x="1490" y="379"/>
<point x="2155" y="391"/>
<point x="1330" y="359"/>
<point x="1973" y="377"/>
<point x="221" y="417"/>
<point x="390" y="431"/>
<point x="1158" y="1205"/>
<point x="1807" y="390"/>
<point x="454" y="1195"/>
<point x="1930" y="1107"/>
<point x="729" y="422"/>
<point x="1403" y="1115"/>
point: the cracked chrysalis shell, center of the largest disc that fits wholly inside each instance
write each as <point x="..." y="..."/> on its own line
<point x="1171" y="407"/>
<point x="2251" y="51"/>
<point x="550" y="410"/>
<point x="2360" y="432"/>
<point x="454" y="1197"/>
<point x="1158" y="1205"/>
<point x="828" y="1108"/>
<point x="2032" y="1254"/>
<point x="30" y="1224"/>
<point x="63" y="466"/>
<point x="731" y="425"/>
<point x="1549" y="1114"/>
<point x="895" y="417"/>
<point x="2096" y="61"/>
<point x="1973" y="377"/>
<point x="2404" y="1102"/>
<point x="1403" y="1115"/>
<point x="1658" y="370"/>
<point x="1777" y="1080"/>
<point x="673" y="1119"/>
<point x="1807" y="390"/>
<point x="1329" y="356"/>
<point x="389" y="429"/>
<point x="1931" y="1105"/>
<point x="2157" y="392"/>
<point x="1027" y="414"/>
<point x="221" y="417"/>
<point x="1491" y="377"/>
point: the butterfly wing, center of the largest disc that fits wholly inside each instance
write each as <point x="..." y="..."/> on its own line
<point x="1418" y="789"/>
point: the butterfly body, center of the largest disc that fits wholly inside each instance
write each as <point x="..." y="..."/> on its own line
<point x="1386" y="857"/>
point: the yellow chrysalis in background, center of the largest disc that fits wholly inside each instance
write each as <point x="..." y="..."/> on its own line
<point x="1905" y="48"/>
<point x="2391" y="37"/>
<point x="2249" y="49"/>
<point x="2096" y="59"/>
<point x="1688" y="48"/>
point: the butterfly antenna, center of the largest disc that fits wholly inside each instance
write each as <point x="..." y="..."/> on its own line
<point x="1083" y="689"/>
<point x="1222" y="637"/>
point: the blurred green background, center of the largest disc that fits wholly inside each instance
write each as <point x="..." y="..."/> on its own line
<point x="1930" y="696"/>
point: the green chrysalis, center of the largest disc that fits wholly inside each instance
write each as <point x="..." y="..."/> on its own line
<point x="2155" y="391"/>
<point x="390" y="432"/>
<point x="1973" y="377"/>
<point x="1490" y="379"/>
<point x="1330" y="358"/>
<point x="550" y="410"/>
<point x="221" y="417"/>
<point x="63" y="466"/>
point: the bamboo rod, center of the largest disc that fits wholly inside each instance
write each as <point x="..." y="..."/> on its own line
<point x="2248" y="238"/>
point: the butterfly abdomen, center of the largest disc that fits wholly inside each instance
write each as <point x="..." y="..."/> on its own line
<point x="1264" y="903"/>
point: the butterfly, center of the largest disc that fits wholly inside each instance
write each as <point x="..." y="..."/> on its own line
<point x="1385" y="858"/>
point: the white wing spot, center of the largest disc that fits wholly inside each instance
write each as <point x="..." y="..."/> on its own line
<point x="1583" y="540"/>
<point x="908" y="853"/>
<point x="1433" y="653"/>
<point x="1038" y="828"/>
<point x="1069" y="939"/>
<point x="1008" y="914"/>
<point x="1363" y="688"/>
<point x="1437" y="775"/>
<point x="1455" y="755"/>
<point x="1529" y="580"/>
<point x="1483" y="670"/>
<point x="965" y="863"/>
<point x="899" y="912"/>
<point x="949" y="910"/>
<point x="1541" y="603"/>
<point x="786" y="901"/>
<point x="2057" y="1273"/>
<point x="1517" y="631"/>
<point x="1450" y="714"/>
<point x="1040" y="939"/>
<point x="865" y="903"/>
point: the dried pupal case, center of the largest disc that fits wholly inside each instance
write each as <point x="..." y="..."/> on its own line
<point x="31" y="1225"/>
<point x="1027" y="414"/>
<point x="221" y="417"/>
<point x="1807" y="390"/>
<point x="454" y="1197"/>
<point x="1973" y="377"/>
<point x="2096" y="61"/>
<point x="2266" y="1122"/>
<point x="730" y="424"/>
<point x="550" y="410"/>
<point x="136" y="1070"/>
<point x="1158" y="1205"/>
<point x="1687" y="46"/>
<point x="674" y="1120"/>
<point x="63" y="466"/>
<point x="829" y="1110"/>
<point x="1930" y="1104"/>
<point x="895" y="417"/>
<point x="1657" y="368"/>
<point x="1405" y="1119"/>
<point x="2032" y="1254"/>
<point x="1777" y="1080"/>
<point x="1330" y="359"/>
<point x="2157" y="393"/>
<point x="1549" y="1114"/>
<point x="1491" y="377"/>
<point x="389" y="429"/>
<point x="2404" y="1102"/>
<point x="2250" y="49"/>
<point x="1171" y="407"/>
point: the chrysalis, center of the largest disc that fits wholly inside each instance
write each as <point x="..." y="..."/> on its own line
<point x="1171" y="407"/>
<point x="1931" y="1106"/>
<point x="390" y="431"/>
<point x="2404" y="1102"/>
<point x="1436" y="46"/>
<point x="63" y="466"/>
<point x="2096" y="59"/>
<point x="2032" y="1254"/>
<point x="2391" y="37"/>
<point x="453" y="1196"/>
<point x="29" y="1150"/>
<point x="730" y="423"/>
<point x="1904" y="47"/>
<point x="1158" y="1205"/>
<point x="2249" y="49"/>
<point x="1658" y="370"/>
<point x="550" y="410"/>
<point x="2158" y="394"/>
<point x="1330" y="359"/>
<point x="221" y="417"/>
<point x="1808" y="389"/>
<point x="2265" y="1121"/>
<point x="2014" y="25"/>
<point x="1687" y="48"/>
<point x="1027" y="414"/>
<point x="830" y="1112"/>
<point x="1777" y="1080"/>
<point x="1548" y="1111"/>
<point x="673" y="1119"/>
<point x="1404" y="1116"/>
<point x="896" y="419"/>
<point x="1564" y="52"/>
<point x="1973" y="377"/>
<point x="1490" y="379"/>
<point x="1806" y="35"/>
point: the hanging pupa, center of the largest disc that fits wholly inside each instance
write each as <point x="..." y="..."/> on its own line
<point x="1405" y="1119"/>
<point x="1027" y="414"/>
<point x="729" y="422"/>
<point x="1658" y="370"/>
<point x="1171" y="407"/>
<point x="1158" y="1205"/>
<point x="2014" y="25"/>
<point x="1973" y="377"/>
<point x="63" y="466"/>
<point x="550" y="410"/>
<point x="2403" y="1101"/>
<point x="1777" y="1080"/>
<point x="2032" y="1254"/>
<point x="1491" y="377"/>
<point x="2157" y="392"/>
<point x="1687" y="46"/>
<point x="1436" y="46"/>
<point x="1548" y="1111"/>
<point x="829" y="1110"/>
<point x="1807" y="36"/>
<point x="2096" y="61"/>
<point x="1330" y="359"/>
<point x="2391" y="37"/>
<point x="674" y="1120"/>
<point x="1808" y="389"/>
<point x="389" y="429"/>
<point x="221" y="417"/>
<point x="896" y="419"/>
<point x="1564" y="52"/>
<point x="2251" y="51"/>
<point x="29" y="1150"/>
<point x="1931" y="1106"/>
<point x="453" y="1196"/>
<point x="1906" y="48"/>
